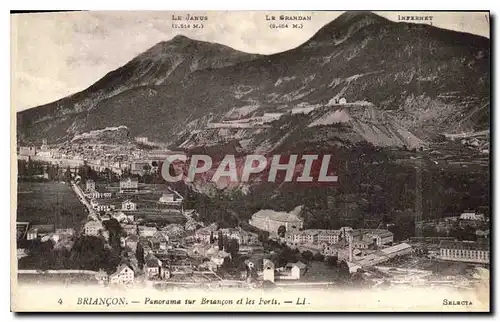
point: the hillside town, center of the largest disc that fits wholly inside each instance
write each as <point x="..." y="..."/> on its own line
<point x="133" y="223"/>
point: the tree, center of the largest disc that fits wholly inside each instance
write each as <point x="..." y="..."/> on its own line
<point x="67" y="174"/>
<point x="225" y="243"/>
<point x="29" y="169"/>
<point x="146" y="168"/>
<point x="115" y="232"/>
<point x="21" y="167"/>
<point x="332" y="261"/>
<point x="307" y="256"/>
<point x="139" y="254"/>
<point x="281" y="231"/>
<point x="88" y="252"/>
<point x="225" y="267"/>
<point x="212" y="237"/>
<point x="344" y="271"/>
<point x="287" y="255"/>
<point x="318" y="257"/>
<point x="233" y="247"/>
<point x="263" y="236"/>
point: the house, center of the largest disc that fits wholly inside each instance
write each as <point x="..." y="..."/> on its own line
<point x="465" y="251"/>
<point x="27" y="150"/>
<point x="268" y="270"/>
<point x="355" y="235"/>
<point x="158" y="241"/>
<point x="379" y="237"/>
<point x="90" y="185"/>
<point x="252" y="238"/>
<point x="295" y="236"/>
<point x="105" y="217"/>
<point x="204" y="235"/>
<point x="337" y="100"/>
<point x="152" y="266"/>
<point x="471" y="215"/>
<point x="129" y="185"/>
<point x="270" y="220"/>
<point x="362" y="244"/>
<point x="124" y="275"/>
<point x="171" y="199"/>
<point x="208" y="265"/>
<point x="218" y="258"/>
<point x="231" y="233"/>
<point x="190" y="225"/>
<point x="128" y="205"/>
<point x="105" y="206"/>
<point x="93" y="228"/>
<point x="309" y="237"/>
<point x="141" y="139"/>
<point x="100" y="195"/>
<point x="130" y="229"/>
<point x="102" y="277"/>
<point x="120" y="217"/>
<point x="329" y="236"/>
<point x="384" y="237"/>
<point x="131" y="242"/>
<point x="211" y="251"/>
<point x="483" y="233"/>
<point x="165" y="272"/>
<point x="147" y="249"/>
<point x="147" y="231"/>
<point x="32" y="234"/>
<point x="44" y="153"/>
<point x="329" y="251"/>
<point x="295" y="270"/>
<point x="173" y="230"/>
<point x="39" y="231"/>
<point x="65" y="231"/>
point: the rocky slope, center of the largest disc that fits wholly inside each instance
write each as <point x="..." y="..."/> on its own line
<point x="161" y="66"/>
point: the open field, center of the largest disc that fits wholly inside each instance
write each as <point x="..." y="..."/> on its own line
<point x="439" y="267"/>
<point x="49" y="203"/>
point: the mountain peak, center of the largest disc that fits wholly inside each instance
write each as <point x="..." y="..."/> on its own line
<point x="358" y="15"/>
<point x="182" y="38"/>
<point x="348" y="23"/>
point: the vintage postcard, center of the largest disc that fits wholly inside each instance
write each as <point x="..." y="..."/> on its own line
<point x="312" y="161"/>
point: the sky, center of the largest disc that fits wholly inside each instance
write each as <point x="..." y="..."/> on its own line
<point x="54" y="55"/>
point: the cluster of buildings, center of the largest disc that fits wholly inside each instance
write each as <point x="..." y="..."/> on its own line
<point x="291" y="271"/>
<point x="271" y="220"/>
<point x="358" y="247"/>
<point x="235" y="120"/>
<point x="174" y="252"/>
<point x="465" y="251"/>
<point x="107" y="201"/>
<point x="171" y="254"/>
<point x="99" y="156"/>
<point x="208" y="234"/>
<point x="362" y="247"/>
